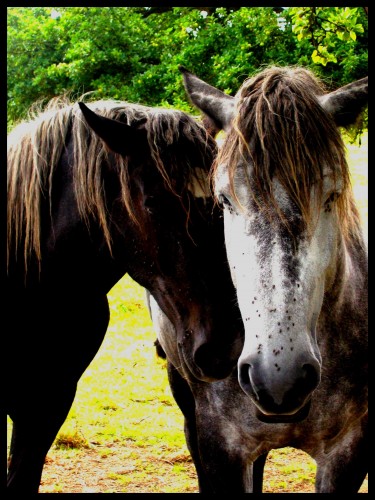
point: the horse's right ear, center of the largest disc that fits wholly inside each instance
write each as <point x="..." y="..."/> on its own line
<point x="216" y="105"/>
<point x="121" y="138"/>
<point x="346" y="103"/>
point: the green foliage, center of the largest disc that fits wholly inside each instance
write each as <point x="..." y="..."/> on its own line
<point x="133" y="53"/>
<point x="335" y="37"/>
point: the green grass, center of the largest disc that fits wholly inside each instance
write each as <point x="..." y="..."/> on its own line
<point x="124" y="379"/>
<point x="124" y="395"/>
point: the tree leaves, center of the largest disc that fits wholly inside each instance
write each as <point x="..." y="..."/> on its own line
<point x="325" y="28"/>
<point x="132" y="53"/>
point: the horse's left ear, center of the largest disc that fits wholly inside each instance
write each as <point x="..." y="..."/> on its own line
<point x="121" y="138"/>
<point x="346" y="103"/>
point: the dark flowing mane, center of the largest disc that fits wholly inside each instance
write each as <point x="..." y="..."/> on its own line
<point x="281" y="126"/>
<point x="35" y="148"/>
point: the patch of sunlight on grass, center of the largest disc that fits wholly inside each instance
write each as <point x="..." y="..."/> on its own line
<point x="57" y="488"/>
<point x="125" y="391"/>
<point x="121" y="478"/>
<point x="295" y="465"/>
<point x="279" y="484"/>
<point x="180" y="468"/>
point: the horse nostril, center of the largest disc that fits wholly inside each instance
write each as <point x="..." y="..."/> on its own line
<point x="244" y="377"/>
<point x="211" y="363"/>
<point x="201" y="356"/>
<point x="311" y="377"/>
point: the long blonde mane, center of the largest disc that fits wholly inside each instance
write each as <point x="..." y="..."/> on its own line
<point x="35" y="148"/>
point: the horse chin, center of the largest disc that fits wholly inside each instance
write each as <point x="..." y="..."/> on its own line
<point x="298" y="416"/>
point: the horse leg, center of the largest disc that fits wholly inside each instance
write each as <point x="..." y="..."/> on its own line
<point x="185" y="400"/>
<point x="258" y="469"/>
<point x="223" y="446"/>
<point x="226" y="469"/>
<point x="41" y="396"/>
<point x="344" y="469"/>
<point x="229" y="472"/>
<point x="32" y="435"/>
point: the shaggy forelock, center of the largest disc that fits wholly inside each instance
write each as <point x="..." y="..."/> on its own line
<point x="281" y="130"/>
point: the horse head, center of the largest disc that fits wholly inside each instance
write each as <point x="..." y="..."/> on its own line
<point x="282" y="179"/>
<point x="174" y="244"/>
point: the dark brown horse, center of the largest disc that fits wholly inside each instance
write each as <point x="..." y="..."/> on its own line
<point x="92" y="196"/>
<point x="299" y="264"/>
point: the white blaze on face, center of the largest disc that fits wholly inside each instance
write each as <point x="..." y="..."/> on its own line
<point x="279" y="309"/>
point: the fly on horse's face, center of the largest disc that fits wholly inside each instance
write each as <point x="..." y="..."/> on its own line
<point x="279" y="176"/>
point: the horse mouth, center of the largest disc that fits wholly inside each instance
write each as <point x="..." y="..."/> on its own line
<point x="298" y="416"/>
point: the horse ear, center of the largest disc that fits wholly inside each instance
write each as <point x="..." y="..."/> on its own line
<point x="216" y="105"/>
<point x="121" y="138"/>
<point x="346" y="103"/>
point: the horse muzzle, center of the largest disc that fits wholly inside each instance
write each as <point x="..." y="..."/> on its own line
<point x="283" y="395"/>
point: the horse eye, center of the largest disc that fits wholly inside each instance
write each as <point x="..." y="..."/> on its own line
<point x="224" y="202"/>
<point x="332" y="197"/>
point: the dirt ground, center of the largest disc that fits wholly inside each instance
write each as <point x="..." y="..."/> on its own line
<point x="118" y="469"/>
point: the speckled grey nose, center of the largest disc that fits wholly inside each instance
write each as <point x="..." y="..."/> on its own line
<point x="281" y="394"/>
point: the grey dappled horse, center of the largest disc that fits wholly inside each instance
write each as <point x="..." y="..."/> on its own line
<point x="299" y="264"/>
